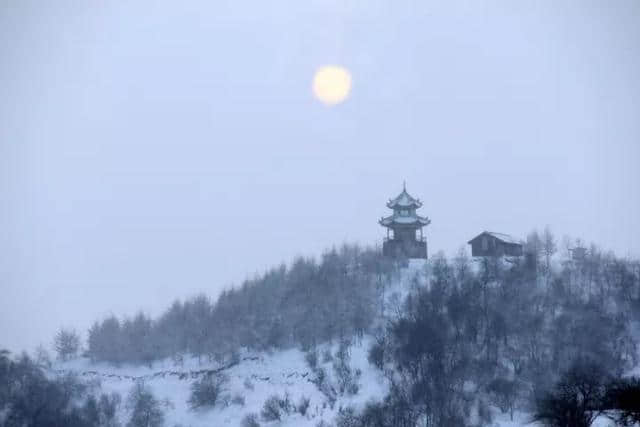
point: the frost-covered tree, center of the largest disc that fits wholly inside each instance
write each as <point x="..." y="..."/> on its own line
<point x="207" y="391"/>
<point x="29" y="397"/>
<point x="41" y="356"/>
<point x="66" y="344"/>
<point x="576" y="400"/>
<point x="303" y="305"/>
<point x="250" y="420"/>
<point x="144" y="408"/>
<point x="549" y="248"/>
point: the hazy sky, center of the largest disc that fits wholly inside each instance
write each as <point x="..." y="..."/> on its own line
<point x="151" y="150"/>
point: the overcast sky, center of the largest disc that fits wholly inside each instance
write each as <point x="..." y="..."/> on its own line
<point x="152" y="150"/>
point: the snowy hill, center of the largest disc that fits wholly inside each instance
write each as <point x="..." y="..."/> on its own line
<point x="310" y="388"/>
<point x="251" y="381"/>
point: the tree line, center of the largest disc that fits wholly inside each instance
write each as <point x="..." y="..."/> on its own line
<point x="304" y="304"/>
<point x="510" y="333"/>
<point x="479" y="333"/>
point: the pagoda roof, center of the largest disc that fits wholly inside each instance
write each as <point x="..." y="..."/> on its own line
<point x="404" y="200"/>
<point x="404" y="220"/>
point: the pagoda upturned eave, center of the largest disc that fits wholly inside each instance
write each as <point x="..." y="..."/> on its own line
<point x="404" y="221"/>
<point x="404" y="200"/>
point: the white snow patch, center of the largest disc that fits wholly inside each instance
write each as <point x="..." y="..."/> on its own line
<point x="276" y="373"/>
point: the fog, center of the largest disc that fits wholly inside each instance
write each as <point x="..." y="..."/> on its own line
<point x="155" y="150"/>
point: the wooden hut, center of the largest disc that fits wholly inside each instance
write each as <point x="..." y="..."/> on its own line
<point x="488" y="243"/>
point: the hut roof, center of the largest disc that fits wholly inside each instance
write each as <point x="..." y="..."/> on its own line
<point x="505" y="238"/>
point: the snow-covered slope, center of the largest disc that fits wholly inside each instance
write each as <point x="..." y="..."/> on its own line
<point x="252" y="380"/>
<point x="255" y="377"/>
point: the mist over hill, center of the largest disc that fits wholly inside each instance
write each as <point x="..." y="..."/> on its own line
<point x="376" y="341"/>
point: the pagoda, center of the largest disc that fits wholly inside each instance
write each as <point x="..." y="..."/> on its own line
<point x="402" y="228"/>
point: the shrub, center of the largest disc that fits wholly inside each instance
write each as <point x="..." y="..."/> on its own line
<point x="177" y="359"/>
<point x="234" y="359"/>
<point x="347" y="378"/>
<point x="271" y="409"/>
<point x="393" y="411"/>
<point x="623" y="397"/>
<point x="311" y="357"/>
<point x="91" y="412"/>
<point x="41" y="357"/>
<point x="29" y="398"/>
<point x="144" y="407"/>
<point x="321" y="375"/>
<point x="353" y="388"/>
<point x="324" y="386"/>
<point x="108" y="406"/>
<point x="504" y="394"/>
<point x="374" y="414"/>
<point x="207" y="391"/>
<point x="484" y="413"/>
<point x="303" y="405"/>
<point x="376" y="355"/>
<point x="347" y="418"/>
<point x="275" y="406"/>
<point x="250" y="420"/>
<point x="101" y="412"/>
<point x="576" y="400"/>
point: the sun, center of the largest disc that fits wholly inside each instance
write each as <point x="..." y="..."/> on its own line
<point x="332" y="84"/>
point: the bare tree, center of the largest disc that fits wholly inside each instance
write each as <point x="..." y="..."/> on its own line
<point x="144" y="407"/>
<point x="549" y="248"/>
<point x="66" y="344"/>
<point x="576" y="400"/>
<point x="533" y="249"/>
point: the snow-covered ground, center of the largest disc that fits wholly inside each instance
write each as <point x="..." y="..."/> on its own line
<point x="255" y="378"/>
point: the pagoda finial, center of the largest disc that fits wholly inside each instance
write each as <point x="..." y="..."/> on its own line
<point x="404" y="185"/>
